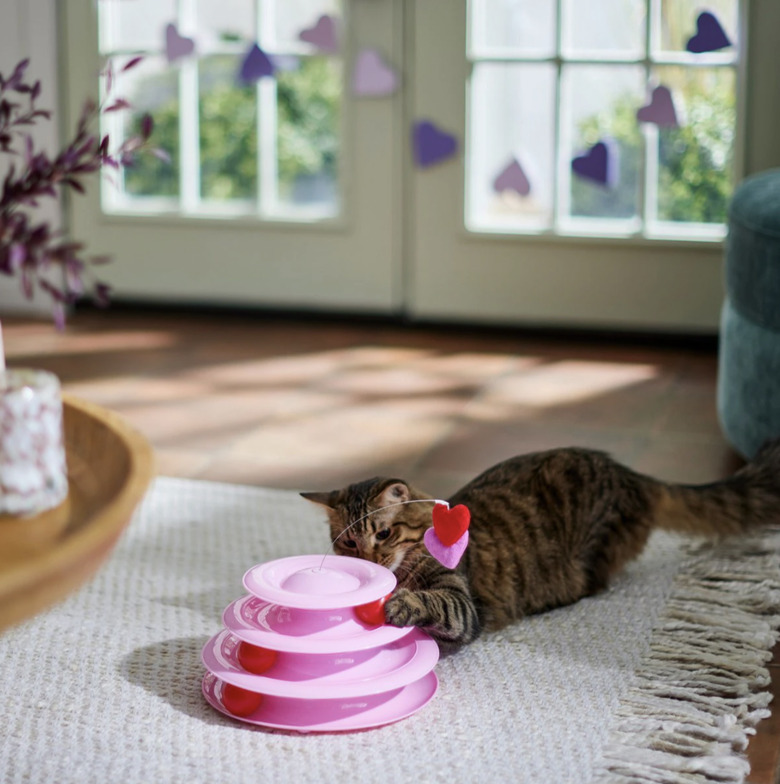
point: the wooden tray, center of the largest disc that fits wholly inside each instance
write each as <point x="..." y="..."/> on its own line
<point x="43" y="558"/>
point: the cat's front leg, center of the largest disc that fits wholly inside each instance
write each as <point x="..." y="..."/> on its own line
<point x="449" y="616"/>
<point x="406" y="608"/>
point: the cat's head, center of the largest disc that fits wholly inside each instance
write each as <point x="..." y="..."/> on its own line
<point x="372" y="520"/>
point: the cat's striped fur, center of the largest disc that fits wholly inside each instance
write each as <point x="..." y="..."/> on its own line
<point x="546" y="530"/>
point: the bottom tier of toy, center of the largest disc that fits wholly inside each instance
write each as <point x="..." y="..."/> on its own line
<point x="321" y="715"/>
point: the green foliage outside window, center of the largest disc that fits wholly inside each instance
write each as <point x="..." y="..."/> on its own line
<point x="694" y="159"/>
<point x="308" y="103"/>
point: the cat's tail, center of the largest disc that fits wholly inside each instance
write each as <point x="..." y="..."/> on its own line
<point x="747" y="500"/>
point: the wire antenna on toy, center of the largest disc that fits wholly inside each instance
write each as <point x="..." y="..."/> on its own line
<point x="382" y="509"/>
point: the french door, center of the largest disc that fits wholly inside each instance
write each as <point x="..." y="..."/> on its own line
<point x="436" y="158"/>
<point x="281" y="189"/>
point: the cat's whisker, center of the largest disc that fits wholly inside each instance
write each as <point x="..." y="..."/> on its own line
<point x="382" y="509"/>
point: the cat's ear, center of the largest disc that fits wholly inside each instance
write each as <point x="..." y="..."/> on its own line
<point x="396" y="492"/>
<point x="323" y="499"/>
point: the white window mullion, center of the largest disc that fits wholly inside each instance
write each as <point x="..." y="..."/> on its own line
<point x="189" y="118"/>
<point x="267" y="154"/>
<point x="649" y="163"/>
<point x="560" y="180"/>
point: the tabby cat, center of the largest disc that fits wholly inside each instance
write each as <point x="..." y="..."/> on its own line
<point x="546" y="530"/>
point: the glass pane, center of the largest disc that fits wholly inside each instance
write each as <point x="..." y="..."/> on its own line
<point x="677" y="22"/>
<point x="600" y="105"/>
<point x="523" y="27"/>
<point x="511" y="145"/>
<point x="135" y="26"/>
<point x="308" y="124"/>
<point x="229" y="21"/>
<point x="694" y="175"/>
<point x="289" y="18"/>
<point x="151" y="87"/>
<point x="608" y="28"/>
<point x="228" y="131"/>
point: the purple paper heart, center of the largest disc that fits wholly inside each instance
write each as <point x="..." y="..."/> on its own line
<point x="709" y="35"/>
<point x="600" y="163"/>
<point x="512" y="178"/>
<point x="255" y="65"/>
<point x="371" y="76"/>
<point x="177" y="46"/>
<point x="323" y="35"/>
<point x="660" y="110"/>
<point x="446" y="556"/>
<point x="431" y="145"/>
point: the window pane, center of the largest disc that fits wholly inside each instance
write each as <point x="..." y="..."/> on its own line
<point x="228" y="135"/>
<point x="512" y="137"/>
<point x="225" y="21"/>
<point x="308" y="129"/>
<point x="150" y="87"/>
<point x="677" y="21"/>
<point x="137" y="25"/>
<point x="694" y="172"/>
<point x="600" y="105"/>
<point x="608" y="28"/>
<point x="524" y="27"/>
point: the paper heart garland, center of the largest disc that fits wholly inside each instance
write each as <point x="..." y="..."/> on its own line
<point x="709" y="35"/>
<point x="512" y="178"/>
<point x="323" y="35"/>
<point x="600" y="163"/>
<point x="448" y="538"/>
<point x="177" y="46"/>
<point x="431" y="145"/>
<point x="255" y="65"/>
<point x="371" y="76"/>
<point x="660" y="110"/>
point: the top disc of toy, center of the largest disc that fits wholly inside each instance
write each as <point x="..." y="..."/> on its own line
<point x="316" y="582"/>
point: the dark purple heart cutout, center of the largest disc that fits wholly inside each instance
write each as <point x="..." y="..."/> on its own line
<point x="431" y="145"/>
<point x="599" y="164"/>
<point x="512" y="178"/>
<point x="255" y="65"/>
<point x="709" y="35"/>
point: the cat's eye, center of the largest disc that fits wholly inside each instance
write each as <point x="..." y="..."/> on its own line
<point x="383" y="534"/>
<point x="350" y="543"/>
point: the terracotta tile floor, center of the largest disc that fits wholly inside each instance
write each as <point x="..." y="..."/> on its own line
<point x="312" y="404"/>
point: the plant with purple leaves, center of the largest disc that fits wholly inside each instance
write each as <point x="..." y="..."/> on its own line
<point x="32" y="250"/>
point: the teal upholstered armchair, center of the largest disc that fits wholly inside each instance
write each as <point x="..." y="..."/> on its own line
<point x="749" y="364"/>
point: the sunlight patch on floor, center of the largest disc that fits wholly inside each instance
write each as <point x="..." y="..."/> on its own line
<point x="557" y="384"/>
<point x="357" y="437"/>
<point x="38" y="343"/>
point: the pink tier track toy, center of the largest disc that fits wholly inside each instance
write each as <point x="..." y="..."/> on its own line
<point x="308" y="650"/>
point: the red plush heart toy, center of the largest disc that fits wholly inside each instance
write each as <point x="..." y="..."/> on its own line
<point x="450" y="524"/>
<point x="373" y="613"/>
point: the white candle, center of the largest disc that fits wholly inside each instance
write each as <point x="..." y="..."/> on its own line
<point x="33" y="472"/>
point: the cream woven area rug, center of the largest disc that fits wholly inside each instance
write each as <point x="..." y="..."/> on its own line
<point x="661" y="679"/>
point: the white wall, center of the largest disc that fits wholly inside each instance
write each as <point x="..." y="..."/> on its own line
<point x="28" y="28"/>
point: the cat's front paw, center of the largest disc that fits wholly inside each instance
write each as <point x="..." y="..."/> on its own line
<point x="405" y="608"/>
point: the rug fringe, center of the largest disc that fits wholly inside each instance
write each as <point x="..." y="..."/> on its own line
<point x="701" y="687"/>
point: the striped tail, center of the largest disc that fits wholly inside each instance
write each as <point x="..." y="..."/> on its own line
<point x="747" y="500"/>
